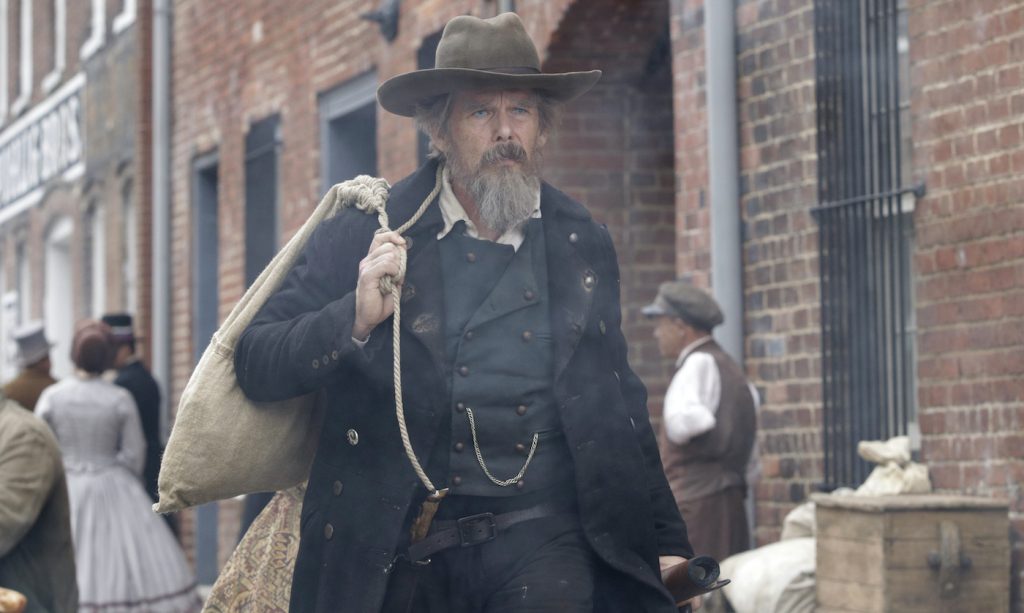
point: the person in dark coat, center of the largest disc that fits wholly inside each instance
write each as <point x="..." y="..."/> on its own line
<point x="133" y="375"/>
<point x="530" y="425"/>
<point x="34" y="359"/>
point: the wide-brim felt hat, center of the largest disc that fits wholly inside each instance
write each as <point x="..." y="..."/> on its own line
<point x="476" y="53"/>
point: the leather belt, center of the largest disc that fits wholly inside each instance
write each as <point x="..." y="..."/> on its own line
<point x="477" y="529"/>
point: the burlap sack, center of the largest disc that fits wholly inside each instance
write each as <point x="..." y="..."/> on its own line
<point x="223" y="444"/>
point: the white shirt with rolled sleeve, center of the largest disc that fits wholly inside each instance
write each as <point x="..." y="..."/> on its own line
<point x="691" y="401"/>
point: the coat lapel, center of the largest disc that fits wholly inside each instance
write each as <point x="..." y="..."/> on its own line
<point x="571" y="278"/>
<point x="423" y="297"/>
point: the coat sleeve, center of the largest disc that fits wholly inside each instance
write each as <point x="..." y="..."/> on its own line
<point x="132" y="452"/>
<point x="27" y="472"/>
<point x="303" y="334"/>
<point x="669" y="528"/>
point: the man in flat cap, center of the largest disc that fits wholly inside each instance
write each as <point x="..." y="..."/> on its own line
<point x="541" y="486"/>
<point x="133" y="375"/>
<point x="709" y="420"/>
<point x="34" y="360"/>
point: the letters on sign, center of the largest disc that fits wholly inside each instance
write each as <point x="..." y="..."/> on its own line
<point x="33" y="152"/>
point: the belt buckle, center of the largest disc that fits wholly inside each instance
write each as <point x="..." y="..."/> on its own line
<point x="470" y="529"/>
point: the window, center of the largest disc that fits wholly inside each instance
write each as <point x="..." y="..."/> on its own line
<point x="261" y="149"/>
<point x="866" y="231"/>
<point x="206" y="250"/>
<point x="51" y="80"/>
<point x="23" y="282"/>
<point x="130" y="250"/>
<point x="25" y="64"/>
<point x="348" y="131"/>
<point x="58" y="304"/>
<point x="205" y="304"/>
<point x="95" y="272"/>
<point x="4" y="64"/>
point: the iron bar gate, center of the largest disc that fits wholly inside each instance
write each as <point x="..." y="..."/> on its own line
<point x="865" y="231"/>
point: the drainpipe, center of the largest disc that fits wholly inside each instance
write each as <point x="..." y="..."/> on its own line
<point x="724" y="180"/>
<point x="161" y="218"/>
<point x="723" y="172"/>
<point x="506" y="6"/>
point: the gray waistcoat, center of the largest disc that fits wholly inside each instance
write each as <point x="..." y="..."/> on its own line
<point x="500" y="351"/>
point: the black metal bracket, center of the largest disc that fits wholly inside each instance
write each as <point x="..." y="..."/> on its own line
<point x="386" y="16"/>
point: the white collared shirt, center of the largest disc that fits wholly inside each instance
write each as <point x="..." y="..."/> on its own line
<point x="691" y="401"/>
<point x="453" y="212"/>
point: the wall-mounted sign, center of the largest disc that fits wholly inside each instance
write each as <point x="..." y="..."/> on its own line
<point x="44" y="144"/>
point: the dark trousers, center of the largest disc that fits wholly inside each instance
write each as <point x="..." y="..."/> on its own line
<point x="539" y="566"/>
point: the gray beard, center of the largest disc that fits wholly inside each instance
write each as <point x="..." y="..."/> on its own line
<point x="506" y="196"/>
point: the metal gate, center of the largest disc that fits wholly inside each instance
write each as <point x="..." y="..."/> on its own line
<point x="865" y="230"/>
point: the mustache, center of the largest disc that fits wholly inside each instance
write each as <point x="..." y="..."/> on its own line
<point x="504" y="151"/>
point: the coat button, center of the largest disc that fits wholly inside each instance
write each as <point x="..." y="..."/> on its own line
<point x="589" y="280"/>
<point x="574" y="238"/>
<point x="528" y="295"/>
<point x="464" y="371"/>
<point x="603" y="328"/>
<point x="520" y="448"/>
<point x="460" y="407"/>
<point x="469" y="335"/>
<point x="470" y="257"/>
<point x="353" y="437"/>
<point x="527" y="336"/>
<point x="456" y="480"/>
<point x="521" y="410"/>
<point x="328" y="531"/>
<point x="460" y="446"/>
<point x="337" y="488"/>
<point x="334" y="354"/>
<point x="325" y="359"/>
<point x="316" y="363"/>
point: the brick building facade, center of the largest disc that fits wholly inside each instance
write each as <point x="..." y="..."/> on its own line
<point x="70" y="203"/>
<point x="964" y="63"/>
<point x="285" y="88"/>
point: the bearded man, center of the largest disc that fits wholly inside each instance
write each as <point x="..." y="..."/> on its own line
<point x="519" y="400"/>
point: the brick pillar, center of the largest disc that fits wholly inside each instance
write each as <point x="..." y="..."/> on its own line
<point x="615" y="150"/>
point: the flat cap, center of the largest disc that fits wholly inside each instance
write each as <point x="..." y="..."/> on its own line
<point x="680" y="299"/>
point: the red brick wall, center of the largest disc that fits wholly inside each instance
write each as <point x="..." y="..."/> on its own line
<point x="693" y="222"/>
<point x="775" y="92"/>
<point x="775" y="68"/>
<point x="614" y="152"/>
<point x="967" y="68"/>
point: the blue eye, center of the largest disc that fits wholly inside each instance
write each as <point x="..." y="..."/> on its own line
<point x="480" y="113"/>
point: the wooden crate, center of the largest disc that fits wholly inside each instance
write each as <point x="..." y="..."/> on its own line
<point x="882" y="554"/>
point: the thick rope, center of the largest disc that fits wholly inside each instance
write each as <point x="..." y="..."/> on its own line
<point x="390" y="285"/>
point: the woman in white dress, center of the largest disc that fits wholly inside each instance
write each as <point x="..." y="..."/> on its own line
<point x="126" y="557"/>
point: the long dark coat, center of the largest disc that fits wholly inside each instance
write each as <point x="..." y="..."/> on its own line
<point x="361" y="486"/>
<point x="135" y="378"/>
